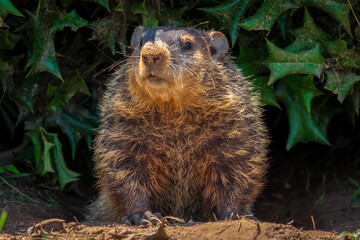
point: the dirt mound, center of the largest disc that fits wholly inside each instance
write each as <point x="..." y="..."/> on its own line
<point x="239" y="229"/>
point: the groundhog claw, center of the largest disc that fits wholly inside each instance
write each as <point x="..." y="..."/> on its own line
<point x="154" y="218"/>
<point x="147" y="218"/>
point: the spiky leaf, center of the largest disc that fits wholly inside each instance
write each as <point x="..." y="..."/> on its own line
<point x="283" y="63"/>
<point x="229" y="14"/>
<point x="266" y="15"/>
<point x="46" y="24"/>
<point x="267" y="92"/>
<point x="302" y="125"/>
<point x="308" y="36"/>
<point x="339" y="11"/>
<point x="340" y="82"/>
<point x="64" y="174"/>
<point x="346" y="57"/>
<point x="7" y="40"/>
<point x="7" y="7"/>
<point x="108" y="30"/>
<point x="250" y="60"/>
<point x="147" y="15"/>
<point x="63" y="19"/>
<point x="103" y="3"/>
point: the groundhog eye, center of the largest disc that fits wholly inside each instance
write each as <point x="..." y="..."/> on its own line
<point x="187" y="46"/>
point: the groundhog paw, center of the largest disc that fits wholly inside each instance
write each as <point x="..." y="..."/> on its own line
<point x="147" y="218"/>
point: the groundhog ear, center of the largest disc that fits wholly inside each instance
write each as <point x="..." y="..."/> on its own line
<point x="137" y="36"/>
<point x="219" y="45"/>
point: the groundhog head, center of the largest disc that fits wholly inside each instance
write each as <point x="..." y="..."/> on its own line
<point x="169" y="63"/>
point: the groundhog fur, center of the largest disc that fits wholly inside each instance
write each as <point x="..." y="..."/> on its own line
<point x="181" y="131"/>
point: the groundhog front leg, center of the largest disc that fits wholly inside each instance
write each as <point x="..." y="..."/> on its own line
<point x="229" y="190"/>
<point x="124" y="184"/>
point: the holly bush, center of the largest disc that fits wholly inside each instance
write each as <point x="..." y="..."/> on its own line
<point x="55" y="56"/>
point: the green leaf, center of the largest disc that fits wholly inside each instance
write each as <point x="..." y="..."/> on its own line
<point x="65" y="175"/>
<point x="267" y="93"/>
<point x="230" y="14"/>
<point x="172" y="16"/>
<point x="36" y="139"/>
<point x="250" y="59"/>
<point x="266" y="15"/>
<point x="323" y="110"/>
<point x="7" y="7"/>
<point x="355" y="98"/>
<point x="46" y="24"/>
<point x="302" y="125"/>
<point x="45" y="166"/>
<point x="147" y="15"/>
<point x="339" y="11"/>
<point x="346" y="57"/>
<point x="308" y="36"/>
<point x="2" y="219"/>
<point x="6" y="72"/>
<point x="340" y="82"/>
<point x="108" y="30"/>
<point x="62" y="19"/>
<point x="283" y="63"/>
<point x="7" y="40"/>
<point x="25" y="91"/>
<point x="73" y="125"/>
<point x="67" y="3"/>
<point x="43" y="56"/>
<point x="58" y="96"/>
<point x="15" y="172"/>
<point x="103" y="3"/>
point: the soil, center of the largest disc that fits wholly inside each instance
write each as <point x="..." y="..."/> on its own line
<point x="285" y="214"/>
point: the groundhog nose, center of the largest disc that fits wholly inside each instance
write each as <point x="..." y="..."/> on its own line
<point x="151" y="58"/>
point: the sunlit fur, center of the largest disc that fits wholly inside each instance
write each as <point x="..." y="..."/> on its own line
<point x="194" y="147"/>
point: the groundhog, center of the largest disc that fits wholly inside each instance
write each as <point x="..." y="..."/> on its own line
<point x="181" y="131"/>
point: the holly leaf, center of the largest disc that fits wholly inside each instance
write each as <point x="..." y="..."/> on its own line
<point x="64" y="174"/>
<point x="323" y="110"/>
<point x="229" y="15"/>
<point x="283" y="63"/>
<point x="7" y="7"/>
<point x="346" y="57"/>
<point x="250" y="59"/>
<point x="43" y="56"/>
<point x="58" y="96"/>
<point x="172" y="16"/>
<point x="5" y="71"/>
<point x="265" y="17"/>
<point x="36" y="139"/>
<point x="108" y="30"/>
<point x="7" y="40"/>
<point x="62" y="19"/>
<point x="46" y="24"/>
<point x="45" y="165"/>
<point x="74" y="125"/>
<point x="103" y="3"/>
<point x="24" y="92"/>
<point x="308" y="36"/>
<point x="355" y="98"/>
<point x="267" y="92"/>
<point x="302" y="125"/>
<point x="67" y="3"/>
<point x="339" y="11"/>
<point x="340" y="83"/>
<point x="147" y="15"/>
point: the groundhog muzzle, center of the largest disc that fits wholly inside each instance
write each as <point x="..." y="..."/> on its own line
<point x="181" y="131"/>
